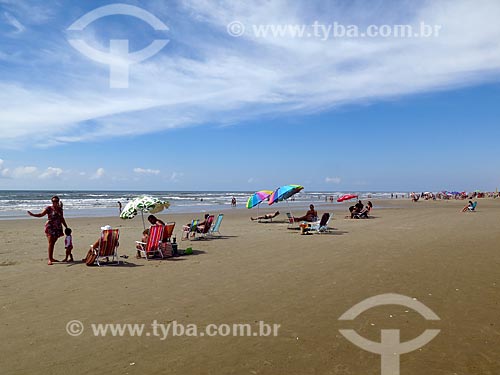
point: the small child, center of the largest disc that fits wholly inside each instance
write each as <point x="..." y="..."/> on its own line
<point x="68" y="245"/>
<point x="144" y="239"/>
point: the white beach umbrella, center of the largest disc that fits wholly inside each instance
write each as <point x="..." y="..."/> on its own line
<point x="143" y="204"/>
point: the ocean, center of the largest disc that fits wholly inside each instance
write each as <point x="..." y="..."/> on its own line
<point x="15" y="203"/>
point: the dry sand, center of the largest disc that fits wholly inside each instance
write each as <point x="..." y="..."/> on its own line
<point x="260" y="272"/>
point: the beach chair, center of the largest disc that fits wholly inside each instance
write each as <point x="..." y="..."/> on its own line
<point x="203" y="232"/>
<point x="216" y="227"/>
<point x="473" y="207"/>
<point x="108" y="247"/>
<point x="168" y="231"/>
<point x="322" y="225"/>
<point x="152" y="247"/>
<point x="166" y="243"/>
<point x="291" y="221"/>
<point x="189" y="231"/>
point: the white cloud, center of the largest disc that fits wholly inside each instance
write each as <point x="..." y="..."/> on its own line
<point x="98" y="174"/>
<point x="21" y="172"/>
<point x="174" y="177"/>
<point x="31" y="11"/>
<point x="233" y="79"/>
<point x="51" y="172"/>
<point x="332" y="180"/>
<point x="14" y="22"/>
<point x="147" y="171"/>
<point x="4" y="172"/>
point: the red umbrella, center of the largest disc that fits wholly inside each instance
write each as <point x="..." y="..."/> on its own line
<point x="346" y="197"/>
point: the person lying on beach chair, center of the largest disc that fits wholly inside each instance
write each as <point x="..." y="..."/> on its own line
<point x="310" y="216"/>
<point x="266" y="216"/>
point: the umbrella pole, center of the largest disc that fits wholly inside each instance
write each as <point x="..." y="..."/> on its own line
<point x="142" y="214"/>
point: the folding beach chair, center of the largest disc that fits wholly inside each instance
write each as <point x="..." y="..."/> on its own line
<point x="190" y="230"/>
<point x="216" y="226"/>
<point x="168" y="231"/>
<point x="205" y="229"/>
<point x="166" y="245"/>
<point x="152" y="247"/>
<point x="291" y="221"/>
<point x="322" y="225"/>
<point x="108" y="247"/>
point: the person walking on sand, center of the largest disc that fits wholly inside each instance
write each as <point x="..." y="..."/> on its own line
<point x="53" y="226"/>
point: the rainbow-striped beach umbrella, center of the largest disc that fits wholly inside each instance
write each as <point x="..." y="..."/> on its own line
<point x="257" y="198"/>
<point x="284" y="192"/>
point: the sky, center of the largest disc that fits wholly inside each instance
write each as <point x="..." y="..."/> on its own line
<point x="212" y="110"/>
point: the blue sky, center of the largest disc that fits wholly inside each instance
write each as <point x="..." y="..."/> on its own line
<point x="216" y="112"/>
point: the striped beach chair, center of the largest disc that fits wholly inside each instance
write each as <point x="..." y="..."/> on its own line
<point x="108" y="247"/>
<point x="152" y="247"/>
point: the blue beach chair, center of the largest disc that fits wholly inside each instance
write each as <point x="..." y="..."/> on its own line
<point x="216" y="226"/>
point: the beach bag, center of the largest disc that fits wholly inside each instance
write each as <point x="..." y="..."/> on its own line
<point x="166" y="249"/>
<point x="91" y="257"/>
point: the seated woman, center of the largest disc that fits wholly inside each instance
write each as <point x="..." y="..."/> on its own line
<point x="154" y="220"/>
<point x="266" y="216"/>
<point x="311" y="215"/>
<point x="200" y="226"/>
<point x="363" y="214"/>
<point x="468" y="206"/>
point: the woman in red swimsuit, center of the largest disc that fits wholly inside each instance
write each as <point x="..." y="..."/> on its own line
<point x="53" y="226"/>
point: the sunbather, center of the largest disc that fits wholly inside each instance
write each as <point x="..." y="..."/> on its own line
<point x="311" y="215"/>
<point x="266" y="216"/>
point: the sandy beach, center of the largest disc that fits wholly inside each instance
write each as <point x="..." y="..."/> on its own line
<point x="255" y="272"/>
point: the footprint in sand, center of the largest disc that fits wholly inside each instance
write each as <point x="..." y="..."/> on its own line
<point x="8" y="263"/>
